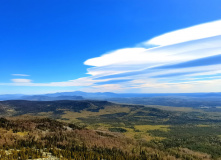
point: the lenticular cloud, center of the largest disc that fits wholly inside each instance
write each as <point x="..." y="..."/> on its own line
<point x="185" y="53"/>
<point x="185" y="60"/>
<point x="201" y="31"/>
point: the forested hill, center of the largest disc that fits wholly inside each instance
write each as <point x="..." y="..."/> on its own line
<point x="18" y="107"/>
<point x="33" y="138"/>
<point x="90" y="129"/>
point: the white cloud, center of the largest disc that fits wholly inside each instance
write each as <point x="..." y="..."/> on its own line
<point x="164" y="54"/>
<point x="186" y="60"/>
<point x="85" y="81"/>
<point x="198" y="54"/>
<point x="200" y="31"/>
<point x="125" y="55"/>
<point x="196" y="86"/>
<point x="21" y="80"/>
<point x="20" y="75"/>
<point x="138" y="59"/>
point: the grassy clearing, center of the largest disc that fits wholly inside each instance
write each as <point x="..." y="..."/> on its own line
<point x="203" y="125"/>
<point x="10" y="132"/>
<point x="73" y="116"/>
<point x="145" y="128"/>
<point x="45" y="114"/>
<point x="141" y="132"/>
<point x="140" y="135"/>
<point x="22" y="134"/>
<point x="178" y="109"/>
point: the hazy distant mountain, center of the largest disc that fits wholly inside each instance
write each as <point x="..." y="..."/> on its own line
<point x="48" y="98"/>
<point x="166" y="99"/>
<point x="85" y="94"/>
<point x="99" y="95"/>
<point x="10" y="96"/>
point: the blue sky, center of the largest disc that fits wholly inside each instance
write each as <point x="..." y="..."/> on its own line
<point x="112" y="45"/>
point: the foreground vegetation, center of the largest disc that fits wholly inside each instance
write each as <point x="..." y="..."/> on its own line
<point x="104" y="130"/>
<point x="35" y="138"/>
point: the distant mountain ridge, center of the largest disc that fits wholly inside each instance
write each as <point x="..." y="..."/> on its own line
<point x="48" y="98"/>
<point x="195" y="100"/>
<point x="127" y="95"/>
<point x="10" y="96"/>
<point x="100" y="95"/>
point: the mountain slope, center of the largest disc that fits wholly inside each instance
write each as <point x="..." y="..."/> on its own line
<point x="167" y="131"/>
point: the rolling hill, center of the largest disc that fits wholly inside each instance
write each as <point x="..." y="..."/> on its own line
<point x="102" y="128"/>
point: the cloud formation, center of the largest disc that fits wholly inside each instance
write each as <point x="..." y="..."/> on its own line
<point x="20" y="75"/>
<point x="200" y="31"/>
<point x="21" y="80"/>
<point x="185" y="60"/>
<point x="182" y="54"/>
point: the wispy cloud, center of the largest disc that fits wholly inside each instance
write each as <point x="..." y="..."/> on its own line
<point x="113" y="81"/>
<point x="20" y="75"/>
<point x="200" y="31"/>
<point x="182" y="54"/>
<point x="85" y="81"/>
<point x="21" y="80"/>
<point x="177" y="57"/>
<point x="185" y="60"/>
